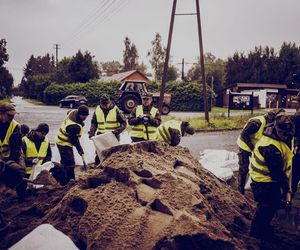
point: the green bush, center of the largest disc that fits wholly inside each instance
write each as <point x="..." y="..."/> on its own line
<point x="91" y="90"/>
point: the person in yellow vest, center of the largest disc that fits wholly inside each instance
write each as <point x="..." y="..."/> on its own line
<point x="249" y="136"/>
<point x="36" y="146"/>
<point x="270" y="171"/>
<point x="11" y="148"/>
<point x="107" y="118"/>
<point x="144" y="120"/>
<point x="68" y="136"/>
<point x="171" y="131"/>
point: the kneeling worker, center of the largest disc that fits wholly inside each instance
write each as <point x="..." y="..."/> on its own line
<point x="171" y="131"/>
<point x="36" y="146"/>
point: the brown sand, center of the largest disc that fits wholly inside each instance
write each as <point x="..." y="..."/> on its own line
<point x="145" y="196"/>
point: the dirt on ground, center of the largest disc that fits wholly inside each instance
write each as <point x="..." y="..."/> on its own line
<point x="143" y="196"/>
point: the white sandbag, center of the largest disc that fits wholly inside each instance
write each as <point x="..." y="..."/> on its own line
<point x="104" y="141"/>
<point x="37" y="169"/>
<point x="223" y="174"/>
<point x="125" y="138"/>
<point x="45" y="237"/>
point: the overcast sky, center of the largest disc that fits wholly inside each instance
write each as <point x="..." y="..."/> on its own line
<point x="100" y="27"/>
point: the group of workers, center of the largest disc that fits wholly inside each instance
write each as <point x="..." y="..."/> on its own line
<point x="269" y="155"/>
<point x="21" y="149"/>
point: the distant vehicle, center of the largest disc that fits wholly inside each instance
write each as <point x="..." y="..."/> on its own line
<point x="72" y="101"/>
<point x="130" y="96"/>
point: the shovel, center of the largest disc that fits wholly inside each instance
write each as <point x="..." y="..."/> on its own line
<point x="146" y="121"/>
<point x="83" y="168"/>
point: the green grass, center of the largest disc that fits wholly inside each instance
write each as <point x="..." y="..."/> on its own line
<point x="34" y="101"/>
<point x="217" y="122"/>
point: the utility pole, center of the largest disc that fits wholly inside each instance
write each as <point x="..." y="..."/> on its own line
<point x="166" y="65"/>
<point x="182" y="70"/>
<point x="164" y="78"/>
<point x="202" y="62"/>
<point x="57" y="47"/>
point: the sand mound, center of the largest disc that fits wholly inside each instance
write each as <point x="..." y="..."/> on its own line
<point x="144" y="196"/>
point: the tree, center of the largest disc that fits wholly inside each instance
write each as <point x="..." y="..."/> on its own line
<point x="82" y="68"/>
<point x="130" y="55"/>
<point x="142" y="68"/>
<point x="6" y="79"/>
<point x="157" y="56"/>
<point x="172" y="73"/>
<point x="110" y="68"/>
<point x="61" y="72"/>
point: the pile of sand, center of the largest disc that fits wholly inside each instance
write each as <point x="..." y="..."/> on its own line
<point x="147" y="195"/>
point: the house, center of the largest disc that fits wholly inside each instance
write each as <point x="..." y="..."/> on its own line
<point x="128" y="75"/>
<point x="268" y="95"/>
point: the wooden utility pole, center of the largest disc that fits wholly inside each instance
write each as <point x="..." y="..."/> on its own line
<point x="202" y="62"/>
<point x="166" y="65"/>
<point x="182" y="70"/>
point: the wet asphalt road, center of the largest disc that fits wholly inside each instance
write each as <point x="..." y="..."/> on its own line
<point x="32" y="115"/>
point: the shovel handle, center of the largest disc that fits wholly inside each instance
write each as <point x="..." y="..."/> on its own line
<point x="288" y="197"/>
<point x="84" y="167"/>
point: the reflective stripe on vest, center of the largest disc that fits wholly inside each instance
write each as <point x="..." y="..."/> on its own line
<point x="259" y="171"/>
<point x="32" y="153"/>
<point x="108" y="124"/>
<point x="62" y="137"/>
<point x="255" y="137"/>
<point x="139" y="131"/>
<point x="163" y="133"/>
<point x="4" y="145"/>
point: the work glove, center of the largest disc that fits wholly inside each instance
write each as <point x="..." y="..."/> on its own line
<point x="241" y="182"/>
<point x="146" y="119"/>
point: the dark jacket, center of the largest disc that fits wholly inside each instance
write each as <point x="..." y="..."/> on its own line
<point x="37" y="142"/>
<point x="120" y="118"/>
<point x="297" y="128"/>
<point x="15" y="141"/>
<point x="274" y="160"/>
<point x="74" y="130"/>
<point x="153" y="121"/>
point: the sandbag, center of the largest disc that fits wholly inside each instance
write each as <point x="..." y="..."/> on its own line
<point x="104" y="141"/>
<point x="45" y="237"/>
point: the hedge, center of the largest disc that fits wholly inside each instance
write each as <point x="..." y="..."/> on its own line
<point x="185" y="96"/>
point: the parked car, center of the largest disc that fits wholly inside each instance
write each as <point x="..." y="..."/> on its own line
<point x="72" y="101"/>
<point x="130" y="96"/>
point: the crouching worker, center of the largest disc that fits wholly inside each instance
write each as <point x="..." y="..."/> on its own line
<point x="11" y="176"/>
<point x="68" y="136"/>
<point x="36" y="146"/>
<point x="171" y="131"/>
<point x="270" y="172"/>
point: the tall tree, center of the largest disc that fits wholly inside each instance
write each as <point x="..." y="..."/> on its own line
<point x="130" y="55"/>
<point x="82" y="68"/>
<point x="157" y="56"/>
<point x="6" y="79"/>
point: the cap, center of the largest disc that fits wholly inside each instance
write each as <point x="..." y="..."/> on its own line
<point x="285" y="123"/>
<point x="188" y="128"/>
<point x="83" y="110"/>
<point x="146" y="95"/>
<point x="43" y="128"/>
<point x="104" y="99"/>
<point x="7" y="107"/>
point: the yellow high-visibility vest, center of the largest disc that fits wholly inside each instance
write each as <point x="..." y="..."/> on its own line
<point x="259" y="171"/>
<point x="139" y="131"/>
<point x="255" y="137"/>
<point x="32" y="153"/>
<point x="62" y="137"/>
<point x="163" y="133"/>
<point x="110" y="123"/>
<point x="4" y="145"/>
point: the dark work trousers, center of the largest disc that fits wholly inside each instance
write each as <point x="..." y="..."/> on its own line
<point x="268" y="198"/>
<point x="244" y="160"/>
<point x="295" y="172"/>
<point x="68" y="162"/>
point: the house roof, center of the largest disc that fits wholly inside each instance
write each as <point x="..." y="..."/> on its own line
<point x="122" y="76"/>
<point x="261" y="85"/>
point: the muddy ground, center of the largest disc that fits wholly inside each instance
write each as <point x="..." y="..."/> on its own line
<point x="143" y="196"/>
